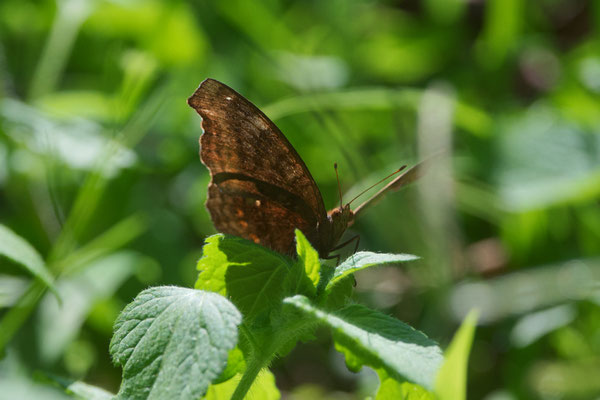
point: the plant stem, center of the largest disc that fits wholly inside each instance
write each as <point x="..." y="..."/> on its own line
<point x="252" y="370"/>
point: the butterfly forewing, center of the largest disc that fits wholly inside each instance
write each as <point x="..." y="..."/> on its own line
<point x="260" y="188"/>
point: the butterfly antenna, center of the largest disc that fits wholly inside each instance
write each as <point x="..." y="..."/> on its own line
<point x="377" y="183"/>
<point x="339" y="186"/>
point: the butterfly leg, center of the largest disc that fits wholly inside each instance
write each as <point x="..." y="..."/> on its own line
<point x="336" y="256"/>
<point x="341" y="245"/>
<point x="353" y="238"/>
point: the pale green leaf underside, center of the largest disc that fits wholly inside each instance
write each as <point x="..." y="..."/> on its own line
<point x="363" y="260"/>
<point x="173" y="342"/>
<point x="380" y="341"/>
<point x="16" y="249"/>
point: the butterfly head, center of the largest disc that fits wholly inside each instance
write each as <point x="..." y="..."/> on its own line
<point x="340" y="217"/>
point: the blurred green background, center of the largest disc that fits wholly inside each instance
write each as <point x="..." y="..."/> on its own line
<point x="99" y="170"/>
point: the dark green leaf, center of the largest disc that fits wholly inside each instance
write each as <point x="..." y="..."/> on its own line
<point x="370" y="338"/>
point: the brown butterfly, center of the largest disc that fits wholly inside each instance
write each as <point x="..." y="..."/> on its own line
<point x="260" y="188"/>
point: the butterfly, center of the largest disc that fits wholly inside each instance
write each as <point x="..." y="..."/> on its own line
<point x="260" y="189"/>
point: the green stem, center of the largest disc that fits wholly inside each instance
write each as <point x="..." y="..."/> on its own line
<point x="252" y="370"/>
<point x="264" y="352"/>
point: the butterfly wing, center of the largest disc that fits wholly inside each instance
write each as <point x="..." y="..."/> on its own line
<point x="260" y="188"/>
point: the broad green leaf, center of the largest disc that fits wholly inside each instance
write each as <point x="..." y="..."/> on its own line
<point x="363" y="260"/>
<point x="263" y="388"/>
<point x="371" y="338"/>
<point x="84" y="391"/>
<point x="392" y="389"/>
<point x="19" y="251"/>
<point x="223" y="251"/>
<point x="173" y="340"/>
<point x="338" y="295"/>
<point x="451" y="382"/>
<point x="308" y="257"/>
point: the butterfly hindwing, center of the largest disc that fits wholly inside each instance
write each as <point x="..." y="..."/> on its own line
<point x="250" y="163"/>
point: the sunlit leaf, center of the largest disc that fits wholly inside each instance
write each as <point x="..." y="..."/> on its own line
<point x="451" y="382"/>
<point x="173" y="340"/>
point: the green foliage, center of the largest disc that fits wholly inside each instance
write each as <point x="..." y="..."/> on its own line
<point x="391" y="389"/>
<point x="262" y="388"/>
<point x="368" y="337"/>
<point x="99" y="173"/>
<point x="17" y="250"/>
<point x="162" y="324"/>
<point x="83" y="391"/>
<point x="363" y="260"/>
<point x="173" y="340"/>
<point x="451" y="381"/>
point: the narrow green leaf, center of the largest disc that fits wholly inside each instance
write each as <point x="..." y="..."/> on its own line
<point x="262" y="388"/>
<point x="77" y="389"/>
<point x="19" y="251"/>
<point x="84" y="391"/>
<point x="363" y="260"/>
<point x="451" y="382"/>
<point x="378" y="340"/>
<point x="308" y="257"/>
<point x="173" y="342"/>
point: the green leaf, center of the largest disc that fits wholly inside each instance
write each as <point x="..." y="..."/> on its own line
<point x="363" y="260"/>
<point x="391" y="389"/>
<point x="173" y="340"/>
<point x="221" y="252"/>
<point x="308" y="257"/>
<point x="338" y="295"/>
<point x="17" y="250"/>
<point x="76" y="389"/>
<point x="368" y="337"/>
<point x="296" y="282"/>
<point x="262" y="388"/>
<point x="451" y="382"/>
<point x="84" y="391"/>
<point x="236" y="364"/>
